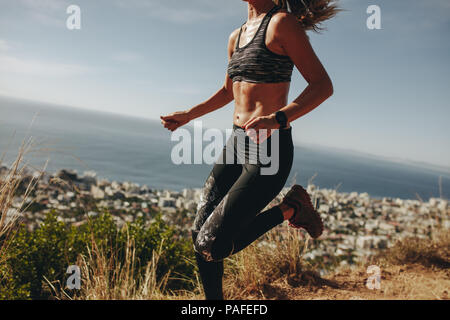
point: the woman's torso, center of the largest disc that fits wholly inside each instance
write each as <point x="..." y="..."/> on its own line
<point x="266" y="92"/>
<point x="257" y="99"/>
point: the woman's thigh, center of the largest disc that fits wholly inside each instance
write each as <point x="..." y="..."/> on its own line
<point x="220" y="180"/>
<point x="250" y="194"/>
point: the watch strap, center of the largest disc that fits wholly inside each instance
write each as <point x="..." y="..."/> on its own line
<point x="281" y="118"/>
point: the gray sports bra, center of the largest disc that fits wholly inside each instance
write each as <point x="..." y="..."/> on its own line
<point x="256" y="63"/>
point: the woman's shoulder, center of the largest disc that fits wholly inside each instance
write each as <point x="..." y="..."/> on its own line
<point x="283" y="17"/>
<point x="286" y="24"/>
<point x="234" y="34"/>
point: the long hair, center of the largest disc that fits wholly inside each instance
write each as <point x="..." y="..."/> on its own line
<point x="310" y="13"/>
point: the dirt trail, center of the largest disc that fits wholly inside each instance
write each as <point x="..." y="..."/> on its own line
<point x="397" y="282"/>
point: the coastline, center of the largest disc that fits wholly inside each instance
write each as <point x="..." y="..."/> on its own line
<point x="138" y="150"/>
<point x="356" y="225"/>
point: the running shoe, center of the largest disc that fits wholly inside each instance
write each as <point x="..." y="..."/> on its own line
<point x="305" y="216"/>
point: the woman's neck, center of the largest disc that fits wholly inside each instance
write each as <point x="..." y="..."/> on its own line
<point x="258" y="8"/>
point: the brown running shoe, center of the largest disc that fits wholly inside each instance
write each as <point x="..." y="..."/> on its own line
<point x="305" y="216"/>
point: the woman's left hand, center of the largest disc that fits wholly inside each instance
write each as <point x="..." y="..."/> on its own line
<point x="255" y="127"/>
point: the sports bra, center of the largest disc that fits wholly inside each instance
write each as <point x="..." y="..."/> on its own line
<point x="255" y="63"/>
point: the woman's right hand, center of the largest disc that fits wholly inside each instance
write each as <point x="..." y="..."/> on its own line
<point x="175" y="120"/>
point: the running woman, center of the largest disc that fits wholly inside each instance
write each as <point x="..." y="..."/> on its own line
<point x="261" y="54"/>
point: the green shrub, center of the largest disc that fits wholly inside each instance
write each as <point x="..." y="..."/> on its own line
<point x="51" y="248"/>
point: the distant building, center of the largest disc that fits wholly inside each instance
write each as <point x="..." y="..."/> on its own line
<point x="167" y="202"/>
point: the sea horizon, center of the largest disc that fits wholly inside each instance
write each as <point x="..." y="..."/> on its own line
<point x="86" y="140"/>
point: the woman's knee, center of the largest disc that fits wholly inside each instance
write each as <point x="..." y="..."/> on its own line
<point x="211" y="247"/>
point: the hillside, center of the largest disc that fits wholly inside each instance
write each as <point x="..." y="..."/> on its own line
<point x="126" y="255"/>
<point x="411" y="269"/>
<point x="406" y="282"/>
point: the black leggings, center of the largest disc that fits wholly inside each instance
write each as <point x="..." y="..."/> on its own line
<point x="244" y="180"/>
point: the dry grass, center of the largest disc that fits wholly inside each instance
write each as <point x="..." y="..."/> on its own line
<point x="429" y="253"/>
<point x="11" y="182"/>
<point x="103" y="277"/>
<point x="249" y="273"/>
<point x="106" y="279"/>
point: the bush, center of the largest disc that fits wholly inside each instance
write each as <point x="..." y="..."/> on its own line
<point x="427" y="252"/>
<point x="51" y="248"/>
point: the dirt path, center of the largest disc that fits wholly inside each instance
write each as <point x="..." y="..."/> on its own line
<point x="397" y="282"/>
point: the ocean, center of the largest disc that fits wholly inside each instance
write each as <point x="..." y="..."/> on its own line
<point x="124" y="148"/>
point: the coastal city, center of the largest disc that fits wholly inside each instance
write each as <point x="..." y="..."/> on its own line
<point x="356" y="225"/>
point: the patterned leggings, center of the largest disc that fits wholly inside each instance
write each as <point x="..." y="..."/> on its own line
<point x="229" y="216"/>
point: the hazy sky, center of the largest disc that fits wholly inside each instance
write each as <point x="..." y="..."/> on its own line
<point x="149" y="57"/>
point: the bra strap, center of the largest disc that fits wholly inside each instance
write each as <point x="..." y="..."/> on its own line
<point x="263" y="27"/>
<point x="265" y="23"/>
<point x="239" y="37"/>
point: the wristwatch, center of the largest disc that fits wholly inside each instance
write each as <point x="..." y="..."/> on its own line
<point x="281" y="118"/>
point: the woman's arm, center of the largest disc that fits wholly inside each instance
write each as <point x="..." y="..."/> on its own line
<point x="221" y="98"/>
<point x="295" y="43"/>
<point x="217" y="101"/>
<point x="297" y="46"/>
